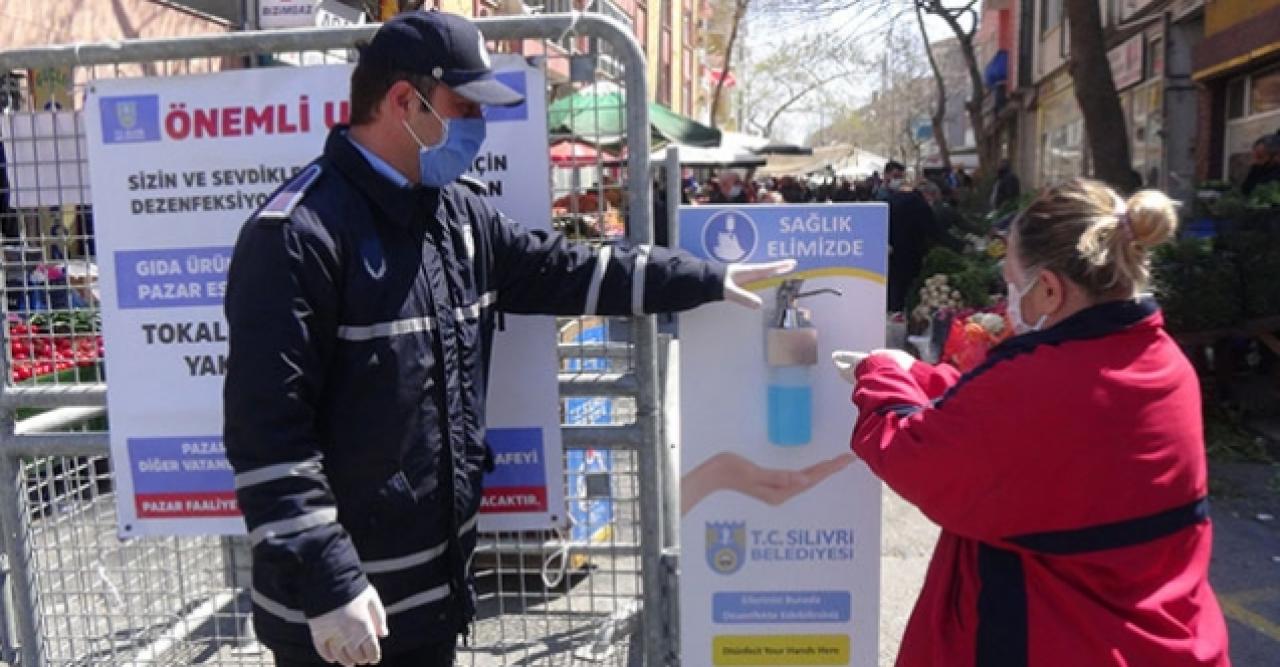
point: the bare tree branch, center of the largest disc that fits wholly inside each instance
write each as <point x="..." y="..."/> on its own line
<point x="940" y="108"/>
<point x="767" y="128"/>
<point x="739" y="11"/>
<point x="986" y="156"/>
<point x="878" y="16"/>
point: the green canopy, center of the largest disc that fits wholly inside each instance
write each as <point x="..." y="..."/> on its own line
<point x="599" y="116"/>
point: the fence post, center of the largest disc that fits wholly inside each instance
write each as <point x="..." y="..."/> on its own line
<point x="17" y="548"/>
<point x="645" y="335"/>
<point x="670" y="469"/>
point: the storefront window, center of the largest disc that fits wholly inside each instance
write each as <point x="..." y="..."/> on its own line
<point x="1050" y="15"/>
<point x="1235" y="99"/>
<point x="1144" y="112"/>
<point x="1253" y="110"/>
<point x="1061" y="140"/>
<point x="1264" y="91"/>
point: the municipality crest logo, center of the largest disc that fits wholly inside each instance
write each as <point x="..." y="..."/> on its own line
<point x="130" y="119"/>
<point x="726" y="545"/>
<point x="127" y="114"/>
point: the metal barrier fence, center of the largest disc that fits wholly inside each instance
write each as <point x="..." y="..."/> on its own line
<point x="76" y="594"/>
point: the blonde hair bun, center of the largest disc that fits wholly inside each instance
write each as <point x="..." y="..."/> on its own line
<point x="1152" y="218"/>
<point x="1083" y="230"/>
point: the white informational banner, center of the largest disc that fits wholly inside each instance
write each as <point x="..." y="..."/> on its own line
<point x="780" y="530"/>
<point x="44" y="154"/>
<point x="274" y="14"/>
<point x="176" y="170"/>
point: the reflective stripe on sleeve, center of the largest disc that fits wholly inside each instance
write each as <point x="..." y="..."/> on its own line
<point x="603" y="253"/>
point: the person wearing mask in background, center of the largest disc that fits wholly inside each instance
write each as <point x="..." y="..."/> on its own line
<point x="1007" y="188"/>
<point x="361" y="303"/>
<point x="1266" y="164"/>
<point x="946" y="221"/>
<point x="1067" y="471"/>
<point x="912" y="229"/>
<point x="731" y="190"/>
<point x="710" y="190"/>
<point x="895" y="175"/>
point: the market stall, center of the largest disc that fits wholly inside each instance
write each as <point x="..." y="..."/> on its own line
<point x="1217" y="284"/>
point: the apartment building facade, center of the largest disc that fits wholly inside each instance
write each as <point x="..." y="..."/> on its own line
<point x="1030" y="103"/>
<point x="1237" y="69"/>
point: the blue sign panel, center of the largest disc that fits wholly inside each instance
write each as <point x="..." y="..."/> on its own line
<point x="824" y="239"/>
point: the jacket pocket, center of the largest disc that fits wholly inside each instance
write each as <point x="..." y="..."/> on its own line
<point x="375" y="518"/>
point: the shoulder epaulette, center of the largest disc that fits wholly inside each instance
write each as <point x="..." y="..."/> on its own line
<point x="288" y="198"/>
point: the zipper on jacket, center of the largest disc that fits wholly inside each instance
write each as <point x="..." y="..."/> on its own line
<point x="457" y="578"/>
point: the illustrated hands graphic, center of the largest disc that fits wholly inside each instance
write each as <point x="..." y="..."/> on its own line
<point x="730" y="471"/>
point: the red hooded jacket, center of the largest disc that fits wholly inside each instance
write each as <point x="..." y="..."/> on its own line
<point x="1068" y="475"/>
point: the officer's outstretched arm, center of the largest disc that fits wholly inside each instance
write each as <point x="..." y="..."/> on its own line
<point x="543" y="272"/>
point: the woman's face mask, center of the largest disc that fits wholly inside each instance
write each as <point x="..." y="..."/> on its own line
<point x="460" y="142"/>
<point x="1016" y="296"/>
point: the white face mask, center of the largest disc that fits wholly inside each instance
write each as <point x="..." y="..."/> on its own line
<point x="1015" y="309"/>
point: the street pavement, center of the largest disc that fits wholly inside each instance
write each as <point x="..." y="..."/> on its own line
<point x="1245" y="572"/>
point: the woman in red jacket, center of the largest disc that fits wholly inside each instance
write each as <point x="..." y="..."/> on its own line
<point x="1067" y="471"/>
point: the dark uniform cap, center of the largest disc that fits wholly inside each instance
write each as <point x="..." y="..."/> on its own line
<point x="446" y="47"/>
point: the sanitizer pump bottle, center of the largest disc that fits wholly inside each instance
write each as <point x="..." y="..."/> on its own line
<point x="791" y="348"/>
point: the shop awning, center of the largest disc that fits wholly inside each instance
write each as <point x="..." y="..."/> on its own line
<point x="576" y="154"/>
<point x="839" y="160"/>
<point x="597" y="114"/>
<point x="723" y="156"/>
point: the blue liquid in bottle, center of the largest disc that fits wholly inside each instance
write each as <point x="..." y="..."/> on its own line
<point x="790" y="406"/>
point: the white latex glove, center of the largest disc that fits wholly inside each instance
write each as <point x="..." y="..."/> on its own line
<point x="740" y="275"/>
<point x="847" y="363"/>
<point x="349" y="634"/>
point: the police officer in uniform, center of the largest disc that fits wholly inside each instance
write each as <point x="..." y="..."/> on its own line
<point x="361" y="301"/>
